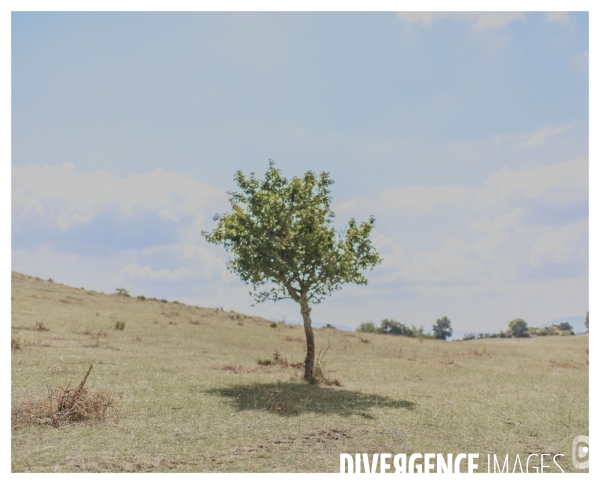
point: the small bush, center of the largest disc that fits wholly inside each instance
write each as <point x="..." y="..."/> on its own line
<point x="565" y="326"/>
<point x="367" y="327"/>
<point x="15" y="344"/>
<point x="120" y="325"/>
<point x="389" y="326"/>
<point x="163" y="301"/>
<point x="264" y="362"/>
<point x="468" y="336"/>
<point x="142" y="298"/>
<point x="122" y="291"/>
<point x="273" y="325"/>
<point x="331" y="326"/>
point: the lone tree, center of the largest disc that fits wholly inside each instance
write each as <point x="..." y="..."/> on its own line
<point x="518" y="328"/>
<point x="442" y="328"/>
<point x="280" y="235"/>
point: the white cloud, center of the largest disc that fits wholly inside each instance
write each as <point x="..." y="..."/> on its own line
<point x="560" y="245"/>
<point x="559" y="17"/>
<point x="556" y="185"/>
<point x="419" y="200"/>
<point x="539" y="137"/>
<point x="349" y="205"/>
<point x="479" y="21"/>
<point x="452" y="261"/>
<point x="68" y="198"/>
<point x="520" y="229"/>
<point x="530" y="140"/>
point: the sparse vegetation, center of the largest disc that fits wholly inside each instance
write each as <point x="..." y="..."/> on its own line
<point x="122" y="291"/>
<point x="561" y="329"/>
<point x="15" y="344"/>
<point x="195" y="399"/>
<point x="120" y="325"/>
<point x="142" y="298"/>
<point x="395" y="328"/>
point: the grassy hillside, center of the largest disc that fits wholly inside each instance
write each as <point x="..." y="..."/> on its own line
<point x="193" y="397"/>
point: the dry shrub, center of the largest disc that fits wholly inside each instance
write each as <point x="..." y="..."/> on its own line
<point x="64" y="406"/>
<point x="15" y="344"/>
<point x="294" y="338"/>
<point x="278" y="360"/>
<point x="320" y="377"/>
<point x="39" y="326"/>
<point x="364" y="340"/>
<point x="319" y="374"/>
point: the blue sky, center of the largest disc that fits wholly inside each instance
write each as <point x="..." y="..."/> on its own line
<point x="464" y="134"/>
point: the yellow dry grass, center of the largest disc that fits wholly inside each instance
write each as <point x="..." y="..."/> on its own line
<point x="194" y="398"/>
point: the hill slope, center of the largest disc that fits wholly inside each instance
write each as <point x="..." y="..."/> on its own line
<point x="194" y="398"/>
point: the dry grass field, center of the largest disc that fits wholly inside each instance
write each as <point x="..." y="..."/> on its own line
<point x="189" y="395"/>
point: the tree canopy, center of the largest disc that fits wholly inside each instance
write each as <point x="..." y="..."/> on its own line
<point x="442" y="328"/>
<point x="282" y="242"/>
<point x="518" y="328"/>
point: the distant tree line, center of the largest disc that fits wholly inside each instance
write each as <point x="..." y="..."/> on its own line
<point x="442" y="329"/>
<point x="518" y="328"/>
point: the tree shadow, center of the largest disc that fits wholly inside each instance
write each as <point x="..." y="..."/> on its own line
<point x="288" y="399"/>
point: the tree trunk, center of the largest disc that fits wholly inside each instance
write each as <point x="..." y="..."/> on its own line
<point x="309" y="362"/>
